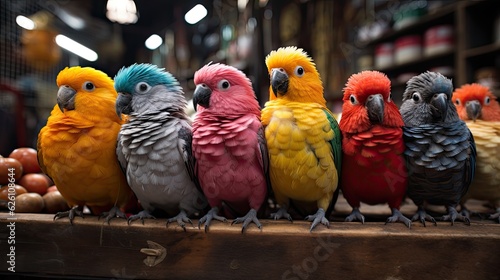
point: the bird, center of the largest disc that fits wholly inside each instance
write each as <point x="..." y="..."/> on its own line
<point x="440" y="150"/>
<point x="479" y="108"/>
<point x="302" y="136"/>
<point x="373" y="164"/>
<point x="76" y="148"/>
<point x="154" y="145"/>
<point x="229" y="145"/>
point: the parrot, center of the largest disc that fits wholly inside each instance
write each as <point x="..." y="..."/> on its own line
<point x="154" y="145"/>
<point x="229" y="145"/>
<point x="373" y="164"/>
<point x="76" y="148"/>
<point x="302" y="136"/>
<point x="479" y="108"/>
<point x="440" y="150"/>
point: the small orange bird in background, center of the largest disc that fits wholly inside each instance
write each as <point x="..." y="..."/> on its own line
<point x="77" y="147"/>
<point x="479" y="108"/>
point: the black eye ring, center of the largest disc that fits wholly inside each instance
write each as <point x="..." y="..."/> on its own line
<point x="88" y="86"/>
<point x="416" y="97"/>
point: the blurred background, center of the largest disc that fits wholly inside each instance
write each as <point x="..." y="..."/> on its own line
<point x="38" y="38"/>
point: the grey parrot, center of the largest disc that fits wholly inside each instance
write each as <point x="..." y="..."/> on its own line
<point x="154" y="145"/>
<point x="440" y="150"/>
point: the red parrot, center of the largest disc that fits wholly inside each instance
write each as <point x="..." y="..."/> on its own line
<point x="479" y="108"/>
<point x="373" y="165"/>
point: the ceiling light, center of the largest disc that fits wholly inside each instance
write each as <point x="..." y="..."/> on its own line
<point x="121" y="11"/>
<point x="153" y="42"/>
<point x="76" y="48"/>
<point x="196" y="14"/>
<point x="25" y="22"/>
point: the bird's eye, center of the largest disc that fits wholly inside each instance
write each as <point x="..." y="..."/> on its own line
<point x="390" y="97"/>
<point x="353" y="100"/>
<point x="299" y="71"/>
<point x="142" y="87"/>
<point x="223" y="84"/>
<point x="416" y="96"/>
<point x="487" y="100"/>
<point x="88" y="86"/>
<point x="457" y="102"/>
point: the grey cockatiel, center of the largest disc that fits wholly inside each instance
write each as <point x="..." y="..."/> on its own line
<point x="440" y="149"/>
<point x="154" y="145"/>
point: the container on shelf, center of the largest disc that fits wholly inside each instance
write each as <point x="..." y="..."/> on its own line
<point x="384" y="55"/>
<point x="407" y="48"/>
<point x="409" y="13"/>
<point x="438" y="39"/>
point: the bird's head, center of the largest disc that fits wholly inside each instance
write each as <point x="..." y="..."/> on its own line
<point x="144" y="87"/>
<point x="293" y="76"/>
<point x="367" y="102"/>
<point x="84" y="90"/>
<point x="427" y="99"/>
<point x="475" y="101"/>
<point x="223" y="89"/>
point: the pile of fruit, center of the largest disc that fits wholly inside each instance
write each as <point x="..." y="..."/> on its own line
<point x="34" y="191"/>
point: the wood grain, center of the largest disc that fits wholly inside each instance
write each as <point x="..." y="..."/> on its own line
<point x="281" y="250"/>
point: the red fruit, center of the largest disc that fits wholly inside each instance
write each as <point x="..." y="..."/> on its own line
<point x="10" y="168"/>
<point x="35" y="183"/>
<point x="52" y="188"/>
<point x="28" y="158"/>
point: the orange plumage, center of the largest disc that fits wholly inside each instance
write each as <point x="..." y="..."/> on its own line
<point x="463" y="96"/>
<point x="77" y="146"/>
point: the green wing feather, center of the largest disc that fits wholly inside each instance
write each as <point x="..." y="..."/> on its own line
<point x="336" y="142"/>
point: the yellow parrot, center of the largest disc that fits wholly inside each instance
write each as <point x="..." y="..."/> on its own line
<point x="77" y="147"/>
<point x="303" y="137"/>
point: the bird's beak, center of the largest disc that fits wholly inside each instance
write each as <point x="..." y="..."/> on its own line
<point x="66" y="98"/>
<point x="473" y="109"/>
<point x="123" y="104"/>
<point x="279" y="81"/>
<point x="375" y="107"/>
<point x="439" y="106"/>
<point x="201" y="96"/>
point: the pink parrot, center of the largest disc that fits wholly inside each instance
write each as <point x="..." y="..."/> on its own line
<point x="229" y="145"/>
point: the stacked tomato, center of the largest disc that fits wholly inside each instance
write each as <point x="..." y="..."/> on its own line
<point x="34" y="192"/>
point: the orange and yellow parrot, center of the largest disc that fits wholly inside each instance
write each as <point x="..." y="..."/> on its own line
<point x="77" y="147"/>
<point x="479" y="108"/>
<point x="303" y="137"/>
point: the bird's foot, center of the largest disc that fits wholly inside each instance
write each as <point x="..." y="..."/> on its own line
<point x="468" y="213"/>
<point x="422" y="216"/>
<point x="114" y="212"/>
<point x="454" y="215"/>
<point x="212" y="214"/>
<point x="495" y="216"/>
<point x="251" y="216"/>
<point x="397" y="216"/>
<point x="141" y="215"/>
<point x="355" y="215"/>
<point x="317" y="218"/>
<point x="282" y="213"/>
<point x="181" y="220"/>
<point x="70" y="214"/>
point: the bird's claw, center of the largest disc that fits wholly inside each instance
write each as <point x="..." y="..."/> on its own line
<point x="207" y="219"/>
<point x="141" y="215"/>
<point x="114" y="212"/>
<point x="281" y="213"/>
<point x="317" y="218"/>
<point x="423" y="216"/>
<point x="70" y="214"/>
<point x="454" y="215"/>
<point x="181" y="220"/>
<point x="397" y="216"/>
<point x="355" y="215"/>
<point x="251" y="216"/>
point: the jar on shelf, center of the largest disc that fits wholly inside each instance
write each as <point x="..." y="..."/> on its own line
<point x="384" y="55"/>
<point x="438" y="39"/>
<point x="407" y="49"/>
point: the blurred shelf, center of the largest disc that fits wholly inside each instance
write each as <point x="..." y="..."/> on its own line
<point x="483" y="50"/>
<point x="421" y="63"/>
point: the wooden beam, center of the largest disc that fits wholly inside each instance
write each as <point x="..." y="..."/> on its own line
<point x="281" y="250"/>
